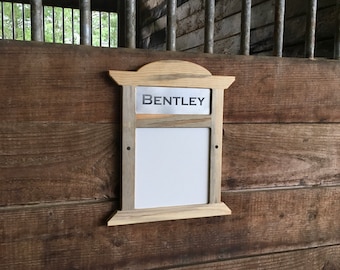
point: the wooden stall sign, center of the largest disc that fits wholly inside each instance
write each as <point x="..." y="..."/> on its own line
<point x="171" y="142"/>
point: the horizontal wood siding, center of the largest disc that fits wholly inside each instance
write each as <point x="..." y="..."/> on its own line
<point x="69" y="236"/>
<point x="58" y="161"/>
<point x="190" y="27"/>
<point x="60" y="165"/>
<point x="273" y="155"/>
<point x="314" y="258"/>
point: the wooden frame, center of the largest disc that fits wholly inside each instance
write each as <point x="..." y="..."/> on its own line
<point x="170" y="73"/>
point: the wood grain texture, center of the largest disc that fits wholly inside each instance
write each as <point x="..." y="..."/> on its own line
<point x="60" y="164"/>
<point x="190" y="27"/>
<point x="326" y="258"/>
<point x="216" y="142"/>
<point x="75" y="235"/>
<point x="44" y="84"/>
<point x="284" y="91"/>
<point x="148" y="215"/>
<point x="48" y="87"/>
<point x="128" y="133"/>
<point x="191" y="16"/>
<point x="172" y="120"/>
<point x="42" y="162"/>
<point x="273" y="155"/>
<point x="48" y="151"/>
<point x="172" y="73"/>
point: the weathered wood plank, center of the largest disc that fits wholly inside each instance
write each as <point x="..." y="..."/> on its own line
<point x="44" y="236"/>
<point x="265" y="90"/>
<point x="80" y="161"/>
<point x="41" y="83"/>
<point x="59" y="141"/>
<point x="299" y="8"/>
<point x="191" y="29"/>
<point x="230" y="46"/>
<point x="326" y="258"/>
<point x="190" y="16"/>
<point x="268" y="155"/>
<point x="75" y="236"/>
<point x="191" y="24"/>
<point x="49" y="155"/>
<point x="42" y="162"/>
<point x="292" y="90"/>
<point x="262" y="36"/>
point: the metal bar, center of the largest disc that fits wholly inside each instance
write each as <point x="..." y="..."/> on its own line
<point x="121" y="23"/>
<point x="37" y="20"/>
<point x="337" y="32"/>
<point x="245" y="27"/>
<point x="44" y="24"/>
<point x="23" y="21"/>
<point x="310" y="29"/>
<point x="279" y="27"/>
<point x="29" y="24"/>
<point x="63" y="21"/>
<point x="85" y="22"/>
<point x="100" y="28"/>
<point x="72" y="15"/>
<point x="109" y="28"/>
<point x="171" y="25"/>
<point x="2" y="21"/>
<point x="53" y="26"/>
<point x="13" y="23"/>
<point x="131" y="24"/>
<point x="209" y="26"/>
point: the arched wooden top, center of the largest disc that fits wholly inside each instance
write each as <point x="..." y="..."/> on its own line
<point x="173" y="67"/>
<point x="172" y="73"/>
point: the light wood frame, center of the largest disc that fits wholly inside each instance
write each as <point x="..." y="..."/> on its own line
<point x="170" y="73"/>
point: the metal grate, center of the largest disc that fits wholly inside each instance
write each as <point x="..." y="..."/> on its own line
<point x="59" y="25"/>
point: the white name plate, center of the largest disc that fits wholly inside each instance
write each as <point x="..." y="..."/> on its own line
<point x="167" y="100"/>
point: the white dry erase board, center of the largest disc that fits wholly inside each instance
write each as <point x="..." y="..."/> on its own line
<point x="172" y="167"/>
<point x="171" y="142"/>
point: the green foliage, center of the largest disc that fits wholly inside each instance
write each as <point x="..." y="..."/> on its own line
<point x="61" y="25"/>
<point x="15" y="21"/>
<point x="104" y="29"/>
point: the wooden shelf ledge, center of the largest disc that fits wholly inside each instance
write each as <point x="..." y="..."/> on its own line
<point x="168" y="213"/>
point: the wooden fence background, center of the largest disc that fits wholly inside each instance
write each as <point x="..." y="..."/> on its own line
<point x="60" y="165"/>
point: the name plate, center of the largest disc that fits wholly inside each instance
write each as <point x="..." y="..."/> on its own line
<point x="167" y="100"/>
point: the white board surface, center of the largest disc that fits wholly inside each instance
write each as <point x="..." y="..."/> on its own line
<point x="172" y="167"/>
